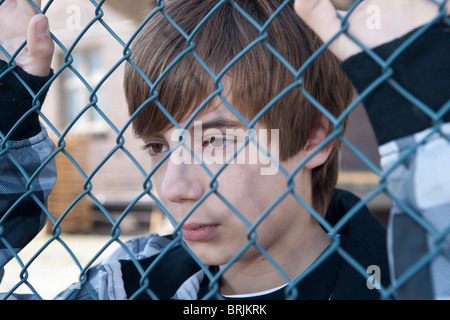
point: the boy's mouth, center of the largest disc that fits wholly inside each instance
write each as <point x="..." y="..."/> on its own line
<point x="198" y="232"/>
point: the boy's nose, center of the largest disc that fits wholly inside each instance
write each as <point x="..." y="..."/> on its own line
<point x="182" y="182"/>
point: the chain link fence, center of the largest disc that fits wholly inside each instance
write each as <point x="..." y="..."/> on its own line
<point x="96" y="147"/>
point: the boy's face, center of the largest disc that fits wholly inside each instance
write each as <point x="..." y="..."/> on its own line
<point x="213" y="230"/>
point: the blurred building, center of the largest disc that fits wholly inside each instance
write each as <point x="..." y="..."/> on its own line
<point x="94" y="37"/>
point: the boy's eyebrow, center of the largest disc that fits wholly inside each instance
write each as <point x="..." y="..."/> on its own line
<point x="217" y="123"/>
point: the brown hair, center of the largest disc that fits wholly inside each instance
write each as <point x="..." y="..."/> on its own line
<point x="256" y="77"/>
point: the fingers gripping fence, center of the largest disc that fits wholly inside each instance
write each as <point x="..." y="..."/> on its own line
<point x="30" y="190"/>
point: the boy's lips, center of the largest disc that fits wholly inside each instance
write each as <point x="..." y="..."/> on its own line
<point x="198" y="232"/>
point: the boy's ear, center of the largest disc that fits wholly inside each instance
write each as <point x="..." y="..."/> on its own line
<point x="318" y="135"/>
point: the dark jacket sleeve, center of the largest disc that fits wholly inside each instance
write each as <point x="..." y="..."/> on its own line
<point x="20" y="92"/>
<point x="418" y="76"/>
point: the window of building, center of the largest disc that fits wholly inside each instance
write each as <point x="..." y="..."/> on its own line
<point x="77" y="89"/>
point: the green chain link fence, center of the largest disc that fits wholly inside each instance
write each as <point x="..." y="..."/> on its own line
<point x="94" y="105"/>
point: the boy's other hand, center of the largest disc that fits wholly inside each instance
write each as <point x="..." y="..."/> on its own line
<point x="373" y="22"/>
<point x="19" y="21"/>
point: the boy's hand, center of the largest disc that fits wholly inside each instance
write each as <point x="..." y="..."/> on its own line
<point x="19" y="21"/>
<point x="396" y="18"/>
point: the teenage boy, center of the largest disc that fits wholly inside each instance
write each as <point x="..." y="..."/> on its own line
<point x="288" y="234"/>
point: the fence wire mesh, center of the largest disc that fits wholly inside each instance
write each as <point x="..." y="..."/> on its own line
<point x="84" y="108"/>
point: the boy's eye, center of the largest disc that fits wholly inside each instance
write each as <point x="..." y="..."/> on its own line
<point x="217" y="141"/>
<point x="157" y="148"/>
<point x="214" y="141"/>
